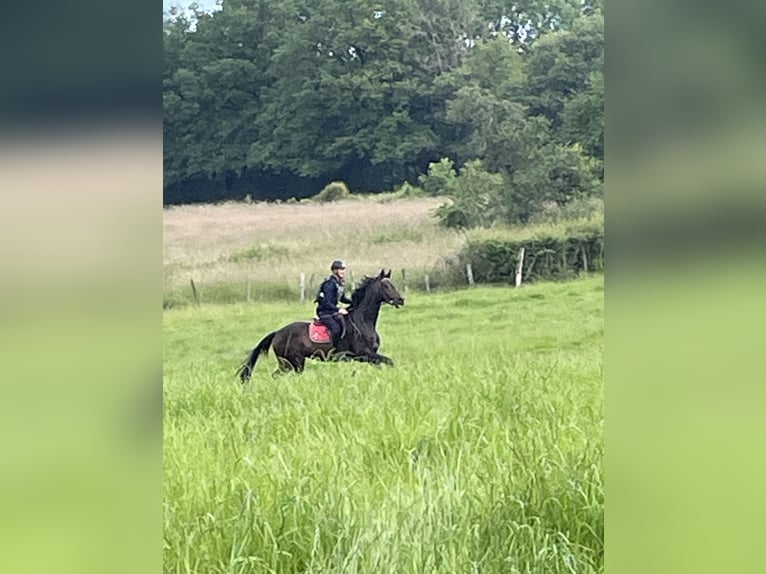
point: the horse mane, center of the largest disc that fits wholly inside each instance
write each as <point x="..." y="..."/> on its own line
<point x="358" y="294"/>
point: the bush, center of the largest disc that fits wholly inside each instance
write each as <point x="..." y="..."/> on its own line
<point x="546" y="257"/>
<point x="409" y="190"/>
<point x="454" y="217"/>
<point x="558" y="175"/>
<point x="578" y="209"/>
<point x="333" y="191"/>
<point x="440" y="178"/>
<point x="476" y="198"/>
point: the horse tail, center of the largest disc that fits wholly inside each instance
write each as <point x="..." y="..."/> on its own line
<point x="246" y="369"/>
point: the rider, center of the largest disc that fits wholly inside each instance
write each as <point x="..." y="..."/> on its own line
<point x="331" y="294"/>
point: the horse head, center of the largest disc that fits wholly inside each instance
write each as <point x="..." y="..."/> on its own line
<point x="388" y="292"/>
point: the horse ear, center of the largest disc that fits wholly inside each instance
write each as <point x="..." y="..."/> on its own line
<point x="388" y="274"/>
<point x="382" y="274"/>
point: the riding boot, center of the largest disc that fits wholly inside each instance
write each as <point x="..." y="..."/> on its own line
<point x="336" y="341"/>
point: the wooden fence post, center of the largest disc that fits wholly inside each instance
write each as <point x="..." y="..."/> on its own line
<point x="404" y="279"/>
<point x="428" y="285"/>
<point x="601" y="256"/>
<point x="469" y="272"/>
<point x="519" y="267"/>
<point x="584" y="260"/>
<point x="248" y="290"/>
<point x="303" y="288"/>
<point x="194" y="291"/>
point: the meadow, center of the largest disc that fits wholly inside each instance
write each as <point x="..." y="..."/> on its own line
<point x="481" y="451"/>
<point x="273" y="243"/>
<point x="223" y="247"/>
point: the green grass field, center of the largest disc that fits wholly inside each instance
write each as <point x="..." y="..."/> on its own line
<point x="480" y="452"/>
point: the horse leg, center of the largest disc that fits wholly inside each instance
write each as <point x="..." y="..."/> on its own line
<point x="284" y="366"/>
<point x="341" y="355"/>
<point x="372" y="358"/>
<point x="292" y="362"/>
<point x="377" y="359"/>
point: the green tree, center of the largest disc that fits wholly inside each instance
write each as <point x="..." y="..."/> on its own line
<point x="524" y="21"/>
<point x="345" y="87"/>
<point x="555" y="175"/>
<point x="583" y="117"/>
<point x="212" y="84"/>
<point x="475" y="199"/>
<point x="441" y="32"/>
<point x="559" y="65"/>
<point x="341" y="89"/>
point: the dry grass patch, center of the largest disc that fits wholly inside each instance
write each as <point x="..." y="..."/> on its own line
<point x="276" y="242"/>
<point x="271" y="244"/>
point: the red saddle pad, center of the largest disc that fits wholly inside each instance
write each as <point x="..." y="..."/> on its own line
<point x="319" y="333"/>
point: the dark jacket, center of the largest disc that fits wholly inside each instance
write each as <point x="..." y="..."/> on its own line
<point x="331" y="294"/>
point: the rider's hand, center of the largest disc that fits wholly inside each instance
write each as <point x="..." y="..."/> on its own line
<point x="343" y="311"/>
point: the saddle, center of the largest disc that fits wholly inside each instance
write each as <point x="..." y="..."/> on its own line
<point x="319" y="333"/>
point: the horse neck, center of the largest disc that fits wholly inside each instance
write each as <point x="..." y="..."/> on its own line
<point x="370" y="314"/>
<point x="369" y="308"/>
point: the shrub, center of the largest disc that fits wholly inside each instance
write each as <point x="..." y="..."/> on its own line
<point x="409" y="190"/>
<point x="454" y="217"/>
<point x="440" y="178"/>
<point x="546" y="256"/>
<point x="333" y="191"/>
<point x="579" y="208"/>
<point x="476" y="198"/>
<point x="556" y="174"/>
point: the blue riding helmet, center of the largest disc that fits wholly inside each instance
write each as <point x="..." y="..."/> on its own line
<point x="337" y="264"/>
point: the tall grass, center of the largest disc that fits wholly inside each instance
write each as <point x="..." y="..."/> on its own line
<point x="223" y="247"/>
<point x="480" y="452"/>
<point x="277" y="242"/>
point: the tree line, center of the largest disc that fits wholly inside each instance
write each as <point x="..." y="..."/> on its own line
<point x="498" y="104"/>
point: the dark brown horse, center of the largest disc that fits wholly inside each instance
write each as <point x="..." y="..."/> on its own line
<point x="360" y="340"/>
